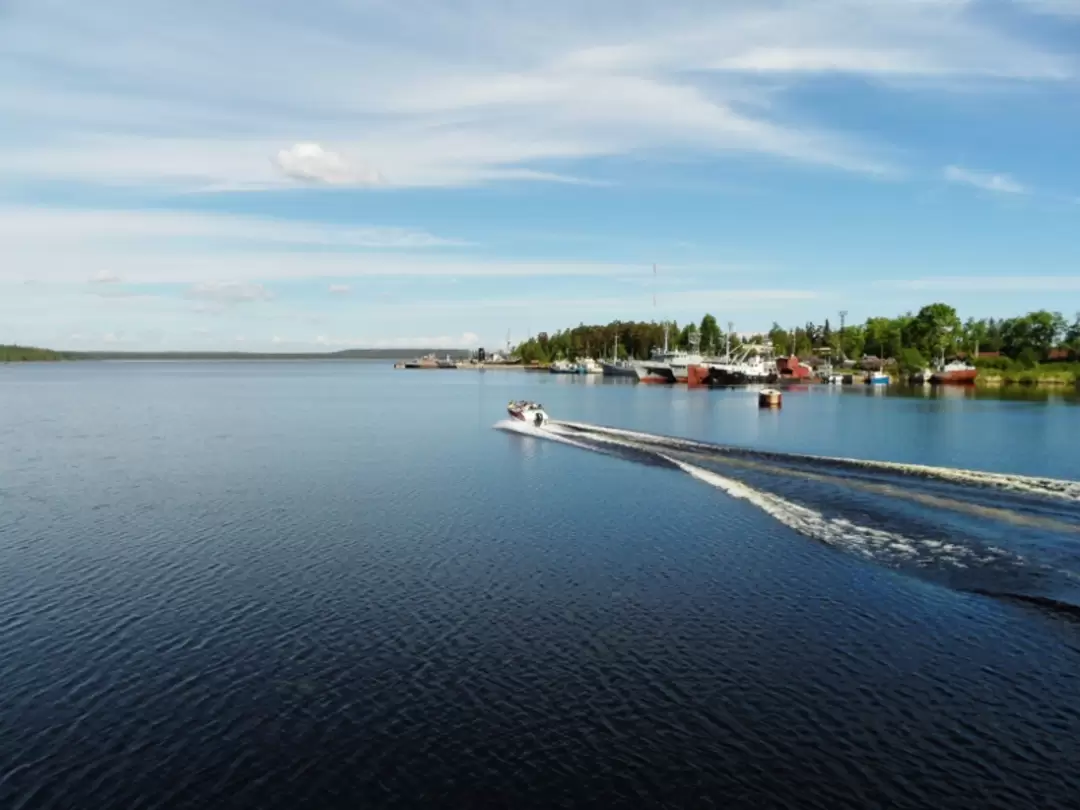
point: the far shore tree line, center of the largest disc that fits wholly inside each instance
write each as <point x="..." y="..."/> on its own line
<point x="10" y="353"/>
<point x="911" y="341"/>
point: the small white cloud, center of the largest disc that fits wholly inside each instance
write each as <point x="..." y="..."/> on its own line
<point x="987" y="181"/>
<point x="112" y="337"/>
<point x="240" y="338"/>
<point x="224" y="293"/>
<point x="276" y="339"/>
<point x="200" y="330"/>
<point x="105" y="277"/>
<point x="311" y="163"/>
<point x="340" y="289"/>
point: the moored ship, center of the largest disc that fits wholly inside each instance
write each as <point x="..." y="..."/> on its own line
<point x="670" y="366"/>
<point x="427" y="361"/>
<point x="958" y="372"/>
<point x="748" y="364"/>
<point x="616" y="367"/>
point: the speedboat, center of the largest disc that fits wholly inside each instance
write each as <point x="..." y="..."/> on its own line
<point x="531" y="413"/>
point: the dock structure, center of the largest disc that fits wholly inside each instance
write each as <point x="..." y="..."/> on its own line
<point x="468" y="366"/>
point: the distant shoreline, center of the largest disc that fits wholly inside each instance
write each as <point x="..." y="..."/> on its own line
<point x="25" y="354"/>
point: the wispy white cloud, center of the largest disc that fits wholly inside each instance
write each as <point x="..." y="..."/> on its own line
<point x="987" y="181"/>
<point x="229" y="292"/>
<point x="980" y="285"/>
<point x="340" y="289"/>
<point x="719" y="300"/>
<point x="467" y="340"/>
<point x="34" y="225"/>
<point x="176" y="247"/>
<point x="437" y="96"/>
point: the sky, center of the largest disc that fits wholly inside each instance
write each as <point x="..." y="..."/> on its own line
<point x="272" y="175"/>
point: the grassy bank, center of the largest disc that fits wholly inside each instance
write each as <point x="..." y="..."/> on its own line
<point x="1041" y="374"/>
<point x="25" y="354"/>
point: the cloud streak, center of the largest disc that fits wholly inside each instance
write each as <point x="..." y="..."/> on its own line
<point x="468" y="340"/>
<point x="177" y="247"/>
<point x="987" y="181"/>
<point x="985" y="285"/>
<point x="436" y="97"/>
<point x="228" y="293"/>
<point x="21" y="225"/>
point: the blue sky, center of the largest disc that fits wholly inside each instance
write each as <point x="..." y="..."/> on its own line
<point x="338" y="173"/>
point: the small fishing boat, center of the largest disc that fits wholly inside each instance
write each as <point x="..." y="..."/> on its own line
<point x="956" y="372"/>
<point x="531" y="413"/>
<point x="616" y="367"/>
<point x="877" y="378"/>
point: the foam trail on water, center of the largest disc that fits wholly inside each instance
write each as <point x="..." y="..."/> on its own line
<point x="1047" y="487"/>
<point x="527" y="429"/>
<point x="875" y="544"/>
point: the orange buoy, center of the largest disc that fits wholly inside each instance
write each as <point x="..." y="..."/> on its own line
<point x="769" y="398"/>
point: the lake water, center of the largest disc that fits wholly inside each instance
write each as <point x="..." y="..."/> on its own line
<point x="292" y="585"/>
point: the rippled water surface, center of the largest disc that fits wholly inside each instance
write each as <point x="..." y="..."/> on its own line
<point x="292" y="585"/>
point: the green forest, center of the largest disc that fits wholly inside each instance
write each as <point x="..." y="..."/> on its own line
<point x="18" y="354"/>
<point x="912" y="340"/>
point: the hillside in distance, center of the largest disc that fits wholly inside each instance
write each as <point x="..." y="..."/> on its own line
<point x="347" y="354"/>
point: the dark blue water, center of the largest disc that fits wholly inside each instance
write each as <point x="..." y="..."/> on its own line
<point x="325" y="585"/>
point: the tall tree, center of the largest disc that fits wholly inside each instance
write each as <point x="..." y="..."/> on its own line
<point x="710" y="334"/>
<point x="934" y="330"/>
<point x="879" y="332"/>
<point x="780" y="339"/>
<point x="1072" y="336"/>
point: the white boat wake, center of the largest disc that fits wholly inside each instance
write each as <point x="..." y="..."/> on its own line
<point x="962" y="557"/>
<point x="882" y="546"/>
<point x="1024" y="484"/>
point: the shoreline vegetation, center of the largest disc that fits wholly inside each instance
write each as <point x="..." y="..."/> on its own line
<point x="1039" y="348"/>
<point x="14" y="353"/>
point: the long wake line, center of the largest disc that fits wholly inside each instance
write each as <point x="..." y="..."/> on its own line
<point x="1032" y="485"/>
<point x="978" y="566"/>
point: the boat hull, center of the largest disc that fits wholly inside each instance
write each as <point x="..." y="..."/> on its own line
<point x="724" y="378"/>
<point x="612" y="370"/>
<point x="697" y="376"/>
<point x="963" y="377"/>
<point x="657" y="375"/>
<point x="529" y="416"/>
